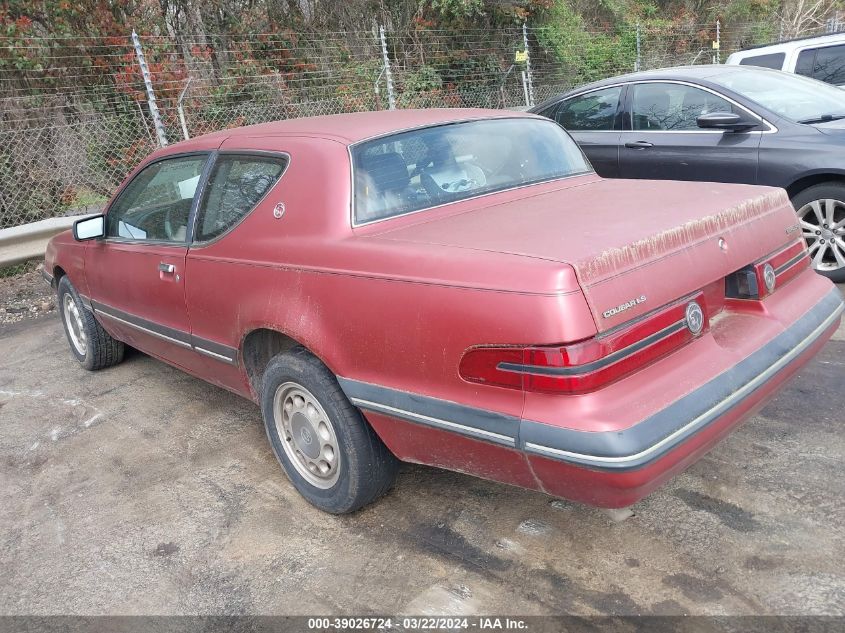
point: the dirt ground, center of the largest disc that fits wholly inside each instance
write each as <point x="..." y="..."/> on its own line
<point x="141" y="490"/>
<point x="25" y="295"/>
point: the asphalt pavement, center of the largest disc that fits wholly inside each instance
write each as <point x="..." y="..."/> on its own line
<point x="141" y="490"/>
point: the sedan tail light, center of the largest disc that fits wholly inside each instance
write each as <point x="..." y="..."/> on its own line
<point x="592" y="363"/>
<point x="760" y="279"/>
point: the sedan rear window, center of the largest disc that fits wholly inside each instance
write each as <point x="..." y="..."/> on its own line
<point x="427" y="167"/>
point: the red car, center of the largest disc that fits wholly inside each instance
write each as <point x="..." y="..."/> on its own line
<point x="450" y="287"/>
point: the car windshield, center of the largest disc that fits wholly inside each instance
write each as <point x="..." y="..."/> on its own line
<point x="791" y="96"/>
<point x="426" y="167"/>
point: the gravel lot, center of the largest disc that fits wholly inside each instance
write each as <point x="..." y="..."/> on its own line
<point x="142" y="490"/>
<point x="25" y="296"/>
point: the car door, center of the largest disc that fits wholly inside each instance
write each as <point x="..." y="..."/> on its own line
<point x="136" y="273"/>
<point x="594" y="120"/>
<point x="663" y="141"/>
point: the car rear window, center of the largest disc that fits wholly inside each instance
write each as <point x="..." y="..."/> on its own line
<point x="422" y="168"/>
<point x="772" y="60"/>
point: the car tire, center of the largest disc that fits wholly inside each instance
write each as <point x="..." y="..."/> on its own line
<point x="92" y="346"/>
<point x="821" y="208"/>
<point x="328" y="450"/>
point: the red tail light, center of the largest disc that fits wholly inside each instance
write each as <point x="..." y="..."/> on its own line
<point x="760" y="279"/>
<point x="589" y="364"/>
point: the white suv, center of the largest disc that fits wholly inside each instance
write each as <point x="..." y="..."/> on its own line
<point x="821" y="58"/>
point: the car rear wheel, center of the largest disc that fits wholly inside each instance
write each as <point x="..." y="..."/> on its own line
<point x="92" y="346"/>
<point x="329" y="452"/>
<point x="821" y="212"/>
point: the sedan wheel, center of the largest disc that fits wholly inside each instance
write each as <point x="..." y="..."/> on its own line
<point x="821" y="213"/>
<point x="308" y="436"/>
<point x="823" y="226"/>
<point x="90" y="344"/>
<point x="328" y="450"/>
<point x="74" y="324"/>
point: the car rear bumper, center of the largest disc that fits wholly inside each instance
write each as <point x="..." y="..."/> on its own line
<point x="618" y="466"/>
<point x="666" y="429"/>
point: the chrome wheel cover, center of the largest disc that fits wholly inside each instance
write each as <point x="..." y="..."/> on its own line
<point x="823" y="228"/>
<point x="75" y="326"/>
<point x="307" y="435"/>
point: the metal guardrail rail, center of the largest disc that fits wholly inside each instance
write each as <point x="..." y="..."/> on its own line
<point x="29" y="241"/>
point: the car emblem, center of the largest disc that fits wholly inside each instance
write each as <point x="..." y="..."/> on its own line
<point x="279" y="210"/>
<point x="624" y="306"/>
<point x="723" y="245"/>
<point x="695" y="318"/>
<point x="306" y="436"/>
<point x="792" y="228"/>
<point x="769" y="277"/>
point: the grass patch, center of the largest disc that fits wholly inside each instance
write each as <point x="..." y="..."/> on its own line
<point x="18" y="269"/>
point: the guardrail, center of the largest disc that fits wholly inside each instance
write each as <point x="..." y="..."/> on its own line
<point x="29" y="241"/>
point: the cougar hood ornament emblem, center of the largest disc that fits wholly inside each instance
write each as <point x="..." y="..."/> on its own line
<point x="624" y="306"/>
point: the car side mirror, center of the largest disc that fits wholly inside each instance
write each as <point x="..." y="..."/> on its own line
<point x="89" y="228"/>
<point x="728" y="121"/>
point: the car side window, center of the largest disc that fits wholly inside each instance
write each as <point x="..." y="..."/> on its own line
<point x="156" y="205"/>
<point x="805" y="61"/>
<point x="235" y="187"/>
<point x="830" y="65"/>
<point x="672" y="107"/>
<point x="594" y="111"/>
<point x="772" y="60"/>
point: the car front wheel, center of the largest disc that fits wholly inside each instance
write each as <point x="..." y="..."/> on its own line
<point x="328" y="450"/>
<point x="92" y="346"/>
<point x="821" y="212"/>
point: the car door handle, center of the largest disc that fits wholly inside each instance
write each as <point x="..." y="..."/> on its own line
<point x="167" y="268"/>
<point x="639" y="145"/>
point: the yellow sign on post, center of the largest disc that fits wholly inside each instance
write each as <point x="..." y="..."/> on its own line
<point x="521" y="57"/>
<point x="715" y="46"/>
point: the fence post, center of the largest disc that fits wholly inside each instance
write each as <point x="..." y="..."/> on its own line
<point x="182" y="110"/>
<point x="388" y="76"/>
<point x="638" y="62"/>
<point x="718" y="41"/>
<point x="151" y="97"/>
<point x="528" y="73"/>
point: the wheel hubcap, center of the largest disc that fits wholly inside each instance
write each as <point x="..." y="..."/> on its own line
<point x="307" y="435"/>
<point x="823" y="228"/>
<point x="75" y="328"/>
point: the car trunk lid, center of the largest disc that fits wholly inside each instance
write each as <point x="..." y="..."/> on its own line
<point x="634" y="245"/>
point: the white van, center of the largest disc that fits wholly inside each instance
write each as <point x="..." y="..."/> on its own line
<point x="821" y="58"/>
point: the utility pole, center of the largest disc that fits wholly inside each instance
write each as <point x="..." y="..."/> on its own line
<point x="151" y="97"/>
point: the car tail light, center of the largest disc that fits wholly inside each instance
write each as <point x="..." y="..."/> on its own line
<point x="759" y="280"/>
<point x="592" y="363"/>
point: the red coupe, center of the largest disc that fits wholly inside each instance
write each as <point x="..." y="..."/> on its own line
<point x="450" y="287"/>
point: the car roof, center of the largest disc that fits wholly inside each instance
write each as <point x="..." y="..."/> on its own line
<point x="788" y="45"/>
<point x="347" y="128"/>
<point x="677" y="73"/>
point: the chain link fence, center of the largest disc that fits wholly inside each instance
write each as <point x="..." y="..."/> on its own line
<point x="75" y="118"/>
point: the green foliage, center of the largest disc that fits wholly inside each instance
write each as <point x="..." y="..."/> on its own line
<point x="456" y="9"/>
<point x="584" y="56"/>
